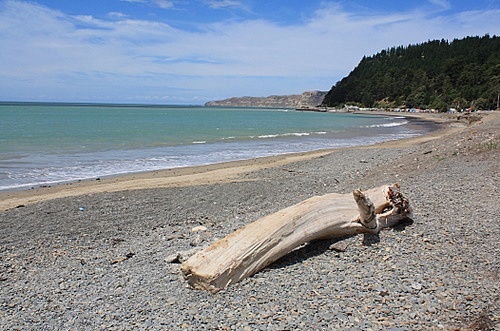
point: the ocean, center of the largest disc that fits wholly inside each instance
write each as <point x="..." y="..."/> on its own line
<point x="43" y="144"/>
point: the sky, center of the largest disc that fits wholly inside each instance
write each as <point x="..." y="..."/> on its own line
<point x="194" y="51"/>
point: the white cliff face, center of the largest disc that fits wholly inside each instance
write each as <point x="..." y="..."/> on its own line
<point x="308" y="99"/>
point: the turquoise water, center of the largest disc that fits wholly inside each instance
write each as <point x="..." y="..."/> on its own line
<point x="42" y="144"/>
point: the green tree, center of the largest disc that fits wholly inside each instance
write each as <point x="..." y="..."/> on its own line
<point x="435" y="74"/>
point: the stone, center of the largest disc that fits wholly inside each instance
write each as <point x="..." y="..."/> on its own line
<point x="339" y="246"/>
<point x="199" y="228"/>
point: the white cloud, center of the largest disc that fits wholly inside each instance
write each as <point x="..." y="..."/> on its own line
<point x="222" y="3"/>
<point x="45" y="51"/>
<point x="165" y="4"/>
<point x="443" y="4"/>
<point x="117" y="15"/>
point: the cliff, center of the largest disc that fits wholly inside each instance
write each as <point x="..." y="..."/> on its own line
<point x="308" y="99"/>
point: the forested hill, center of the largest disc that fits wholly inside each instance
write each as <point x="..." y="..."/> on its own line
<point x="437" y="74"/>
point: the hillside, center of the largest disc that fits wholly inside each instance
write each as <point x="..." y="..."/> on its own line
<point x="304" y="100"/>
<point x="437" y="74"/>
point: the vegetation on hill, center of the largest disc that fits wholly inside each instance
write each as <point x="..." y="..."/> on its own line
<point x="436" y="74"/>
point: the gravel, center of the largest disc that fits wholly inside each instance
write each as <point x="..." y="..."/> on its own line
<point x="105" y="267"/>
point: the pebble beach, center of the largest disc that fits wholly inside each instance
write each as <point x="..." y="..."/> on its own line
<point x="96" y="255"/>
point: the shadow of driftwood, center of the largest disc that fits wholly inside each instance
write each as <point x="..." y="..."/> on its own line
<point x="370" y="239"/>
<point x="403" y="224"/>
<point x="300" y="255"/>
<point x="318" y="247"/>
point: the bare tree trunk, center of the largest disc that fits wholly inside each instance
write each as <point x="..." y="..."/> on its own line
<point x="253" y="247"/>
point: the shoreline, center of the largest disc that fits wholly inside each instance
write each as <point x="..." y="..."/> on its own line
<point x="103" y="260"/>
<point x="223" y="172"/>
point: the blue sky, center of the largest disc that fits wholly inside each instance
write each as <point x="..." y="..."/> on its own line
<point x="193" y="51"/>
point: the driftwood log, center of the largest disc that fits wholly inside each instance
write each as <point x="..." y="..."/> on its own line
<point x="258" y="244"/>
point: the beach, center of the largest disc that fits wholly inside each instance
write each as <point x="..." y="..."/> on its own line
<point x="47" y="144"/>
<point x="93" y="255"/>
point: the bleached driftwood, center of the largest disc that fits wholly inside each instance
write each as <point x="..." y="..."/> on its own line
<point x="253" y="247"/>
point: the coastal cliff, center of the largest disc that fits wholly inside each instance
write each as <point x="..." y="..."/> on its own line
<point x="309" y="99"/>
